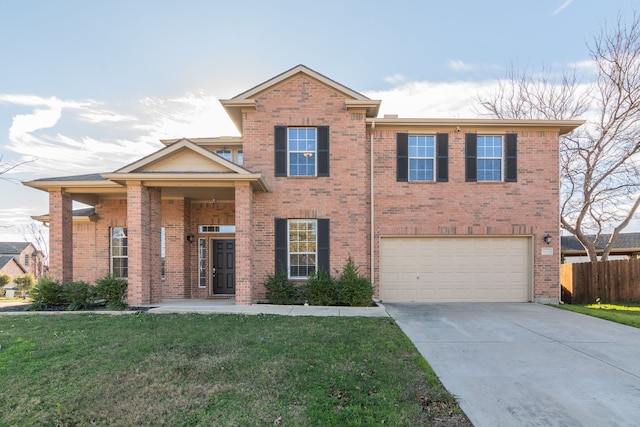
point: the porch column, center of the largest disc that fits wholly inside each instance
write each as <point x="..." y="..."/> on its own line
<point x="60" y="235"/>
<point x="244" y="243"/>
<point x="143" y="228"/>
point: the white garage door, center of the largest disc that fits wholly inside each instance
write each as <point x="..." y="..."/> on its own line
<point x="455" y="269"/>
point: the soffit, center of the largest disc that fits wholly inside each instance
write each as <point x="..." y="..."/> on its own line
<point x="563" y="127"/>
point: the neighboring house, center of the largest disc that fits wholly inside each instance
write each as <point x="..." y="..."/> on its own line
<point x="429" y="209"/>
<point x="627" y="246"/>
<point x="18" y="258"/>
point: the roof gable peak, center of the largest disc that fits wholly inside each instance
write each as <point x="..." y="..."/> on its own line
<point x="292" y="72"/>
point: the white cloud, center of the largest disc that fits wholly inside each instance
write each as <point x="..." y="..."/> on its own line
<point x="458" y="65"/>
<point x="395" y="79"/>
<point x="100" y="116"/>
<point x="432" y="99"/>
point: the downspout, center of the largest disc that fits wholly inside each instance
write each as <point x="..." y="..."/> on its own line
<point x="373" y="210"/>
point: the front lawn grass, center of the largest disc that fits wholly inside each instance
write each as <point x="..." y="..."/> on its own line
<point x="223" y="370"/>
<point x="626" y="314"/>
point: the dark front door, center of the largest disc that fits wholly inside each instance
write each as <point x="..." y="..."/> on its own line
<point x="224" y="267"/>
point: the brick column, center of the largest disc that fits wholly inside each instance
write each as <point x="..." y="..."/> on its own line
<point x="177" y="222"/>
<point x="143" y="228"/>
<point x="155" y="242"/>
<point x="60" y="236"/>
<point x="244" y="243"/>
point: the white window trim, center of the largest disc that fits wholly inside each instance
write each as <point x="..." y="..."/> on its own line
<point x="112" y="256"/>
<point x="409" y="158"/>
<point x="289" y="253"/>
<point x="202" y="261"/>
<point x="501" y="158"/>
<point x="315" y="152"/>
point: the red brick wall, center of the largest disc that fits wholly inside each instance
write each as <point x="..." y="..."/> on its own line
<point x="91" y="243"/>
<point x="342" y="197"/>
<point x="528" y="207"/>
<point x="60" y="236"/>
<point x="12" y="269"/>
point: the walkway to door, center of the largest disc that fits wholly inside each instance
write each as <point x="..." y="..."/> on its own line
<point x="523" y="364"/>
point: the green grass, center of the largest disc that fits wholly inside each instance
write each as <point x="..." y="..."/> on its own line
<point x="628" y="314"/>
<point x="228" y="370"/>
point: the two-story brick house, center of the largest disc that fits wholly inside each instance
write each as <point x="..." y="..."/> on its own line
<point x="429" y="209"/>
<point x="18" y="258"/>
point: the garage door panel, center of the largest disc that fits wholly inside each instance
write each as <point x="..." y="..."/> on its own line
<point x="455" y="269"/>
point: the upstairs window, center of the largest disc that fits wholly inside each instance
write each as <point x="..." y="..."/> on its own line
<point x="491" y="158"/>
<point x="301" y="144"/>
<point x="301" y="151"/>
<point x="489" y="151"/>
<point x="422" y="158"/>
<point x="225" y="154"/>
<point x="422" y="152"/>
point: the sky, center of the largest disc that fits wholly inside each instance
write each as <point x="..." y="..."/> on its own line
<point x="90" y="86"/>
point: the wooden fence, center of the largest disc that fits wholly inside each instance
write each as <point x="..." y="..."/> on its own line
<point x="611" y="281"/>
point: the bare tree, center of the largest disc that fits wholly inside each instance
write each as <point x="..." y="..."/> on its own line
<point x="600" y="162"/>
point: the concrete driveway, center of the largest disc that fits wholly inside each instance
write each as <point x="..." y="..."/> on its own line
<point x="521" y="364"/>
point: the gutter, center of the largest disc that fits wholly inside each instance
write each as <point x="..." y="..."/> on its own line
<point x="373" y="209"/>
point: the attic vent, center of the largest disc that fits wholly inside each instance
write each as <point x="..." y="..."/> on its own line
<point x="203" y="229"/>
<point x="390" y="116"/>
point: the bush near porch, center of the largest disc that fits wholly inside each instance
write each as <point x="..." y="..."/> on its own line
<point x="349" y="289"/>
<point x="109" y="292"/>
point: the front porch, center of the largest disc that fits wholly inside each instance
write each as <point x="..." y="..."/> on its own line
<point x="164" y="209"/>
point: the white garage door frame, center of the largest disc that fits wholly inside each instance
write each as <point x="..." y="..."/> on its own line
<point x="489" y="268"/>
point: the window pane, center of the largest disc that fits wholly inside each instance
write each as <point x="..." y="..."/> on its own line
<point x="240" y="156"/>
<point x="119" y="252"/>
<point x="421" y="157"/>
<point x="226" y="154"/>
<point x="302" y="151"/>
<point x="489" y="170"/>
<point x="302" y="248"/>
<point x="489" y="158"/>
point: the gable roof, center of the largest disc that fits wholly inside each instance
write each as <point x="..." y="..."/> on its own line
<point x="13" y="248"/>
<point x="7" y="259"/>
<point x="161" y="160"/>
<point x="246" y="99"/>
<point x="185" y="161"/>
<point x="627" y="243"/>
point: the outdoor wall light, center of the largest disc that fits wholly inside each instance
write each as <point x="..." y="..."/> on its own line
<point x="547" y="238"/>
<point x="190" y="238"/>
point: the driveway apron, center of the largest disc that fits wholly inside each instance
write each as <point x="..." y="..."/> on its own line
<point x="523" y="364"/>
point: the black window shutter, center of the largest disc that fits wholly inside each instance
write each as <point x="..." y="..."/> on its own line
<point x="323" y="245"/>
<point x="281" y="245"/>
<point x="323" y="150"/>
<point x="402" y="157"/>
<point x="511" y="157"/>
<point x="471" y="153"/>
<point x="280" y="144"/>
<point x="442" y="157"/>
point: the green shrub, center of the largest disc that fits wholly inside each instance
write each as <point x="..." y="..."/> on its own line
<point x="80" y="295"/>
<point x="5" y="279"/>
<point x="25" y="282"/>
<point x="46" y="294"/>
<point x="353" y="290"/>
<point x="320" y="289"/>
<point x="111" y="290"/>
<point x="280" y="290"/>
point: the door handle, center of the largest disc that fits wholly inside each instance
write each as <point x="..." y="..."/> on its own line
<point x="213" y="271"/>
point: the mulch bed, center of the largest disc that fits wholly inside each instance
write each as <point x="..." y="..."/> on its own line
<point x="24" y="307"/>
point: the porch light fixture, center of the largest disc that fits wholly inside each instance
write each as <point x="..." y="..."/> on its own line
<point x="547" y="238"/>
<point x="190" y="238"/>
